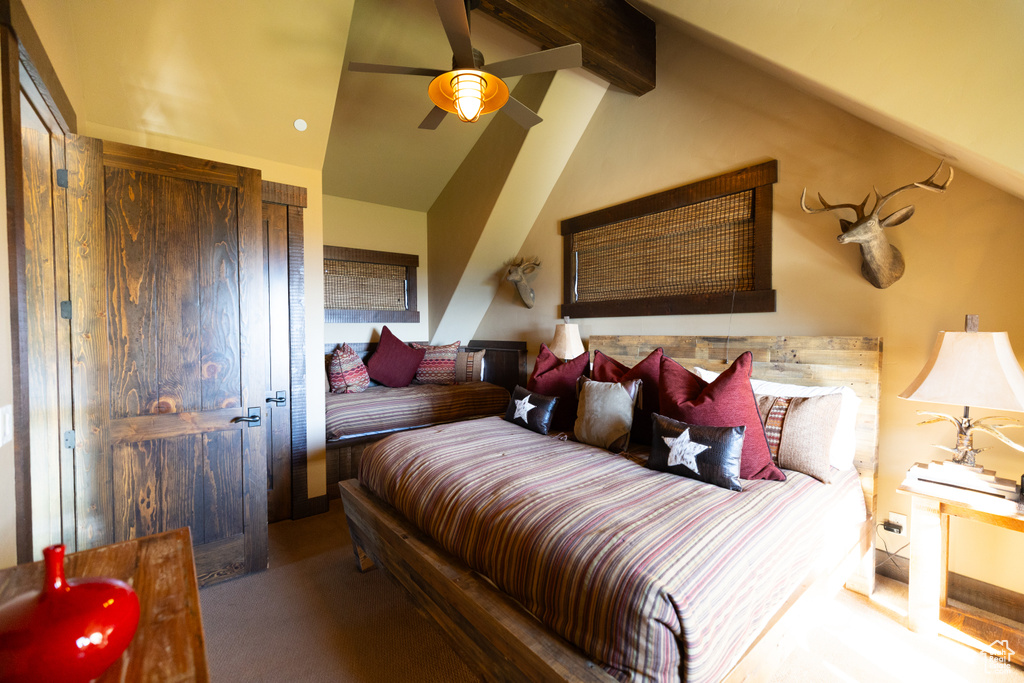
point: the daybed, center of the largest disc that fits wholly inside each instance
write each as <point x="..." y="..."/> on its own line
<point x="353" y="421"/>
<point x="723" y="575"/>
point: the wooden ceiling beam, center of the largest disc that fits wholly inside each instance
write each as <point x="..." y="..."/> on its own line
<point x="618" y="40"/>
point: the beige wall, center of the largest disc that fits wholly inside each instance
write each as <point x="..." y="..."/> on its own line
<point x="711" y="114"/>
<point x="934" y="71"/>
<point x="362" y="225"/>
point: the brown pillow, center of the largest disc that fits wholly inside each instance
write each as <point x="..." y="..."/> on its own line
<point x="605" y="413"/>
<point x="800" y="431"/>
<point x="469" y="366"/>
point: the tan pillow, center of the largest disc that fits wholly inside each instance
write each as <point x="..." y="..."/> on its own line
<point x="605" y="413"/>
<point x="800" y="431"/>
<point x="469" y="366"/>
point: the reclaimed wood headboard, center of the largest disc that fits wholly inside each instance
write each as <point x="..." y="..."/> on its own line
<point x="820" y="361"/>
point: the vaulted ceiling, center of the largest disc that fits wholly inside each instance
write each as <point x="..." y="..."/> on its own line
<point x="234" y="74"/>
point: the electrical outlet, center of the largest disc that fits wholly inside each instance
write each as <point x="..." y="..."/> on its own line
<point x="897" y="518"/>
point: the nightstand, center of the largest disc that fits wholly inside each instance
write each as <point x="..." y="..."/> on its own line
<point x="931" y="507"/>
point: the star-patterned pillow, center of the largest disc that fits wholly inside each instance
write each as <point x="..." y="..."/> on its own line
<point x="531" y="410"/>
<point x="708" y="454"/>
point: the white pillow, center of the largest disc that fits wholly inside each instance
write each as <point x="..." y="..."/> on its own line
<point x="844" y="442"/>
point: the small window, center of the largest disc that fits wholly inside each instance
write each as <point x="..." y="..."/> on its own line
<point x="700" y="248"/>
<point x="369" y="286"/>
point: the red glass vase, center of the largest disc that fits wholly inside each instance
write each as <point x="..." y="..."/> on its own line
<point x="71" y="630"/>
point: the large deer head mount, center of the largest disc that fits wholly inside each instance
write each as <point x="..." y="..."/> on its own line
<point x="882" y="264"/>
<point x="519" y="272"/>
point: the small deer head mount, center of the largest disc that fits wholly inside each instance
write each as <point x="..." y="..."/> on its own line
<point x="519" y="272"/>
<point x="882" y="264"/>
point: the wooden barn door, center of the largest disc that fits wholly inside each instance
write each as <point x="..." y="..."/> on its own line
<point x="169" y="347"/>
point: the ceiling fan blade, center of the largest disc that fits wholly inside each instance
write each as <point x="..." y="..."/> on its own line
<point x="456" y="26"/>
<point x="565" y="57"/>
<point x="521" y="114"/>
<point x="433" y="119"/>
<point x="389" y="69"/>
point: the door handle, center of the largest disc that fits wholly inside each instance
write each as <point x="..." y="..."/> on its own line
<point x="279" y="399"/>
<point x="253" y="418"/>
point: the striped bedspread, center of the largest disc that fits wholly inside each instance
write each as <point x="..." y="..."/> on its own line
<point x="653" y="575"/>
<point x="387" y="409"/>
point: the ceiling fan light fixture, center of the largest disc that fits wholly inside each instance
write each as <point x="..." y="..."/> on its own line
<point x="468" y="88"/>
<point x="468" y="93"/>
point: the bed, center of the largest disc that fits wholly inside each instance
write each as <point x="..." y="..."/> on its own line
<point x="354" y="421"/>
<point x="444" y="565"/>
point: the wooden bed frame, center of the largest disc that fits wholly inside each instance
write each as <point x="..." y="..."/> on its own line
<point x="504" y="642"/>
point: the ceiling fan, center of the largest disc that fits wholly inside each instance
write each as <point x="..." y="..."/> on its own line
<point x="471" y="88"/>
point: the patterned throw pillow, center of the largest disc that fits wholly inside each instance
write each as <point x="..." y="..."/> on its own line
<point x="800" y="431"/>
<point x="844" y="442"/>
<point x="708" y="454"/>
<point x="438" y="364"/>
<point x="531" y="410"/>
<point x="469" y="366"/>
<point x="347" y="374"/>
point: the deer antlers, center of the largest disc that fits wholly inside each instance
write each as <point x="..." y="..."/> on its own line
<point x="882" y="263"/>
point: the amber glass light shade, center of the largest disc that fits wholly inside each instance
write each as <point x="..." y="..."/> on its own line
<point x="468" y="93"/>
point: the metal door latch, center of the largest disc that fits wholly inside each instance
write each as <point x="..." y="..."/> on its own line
<point x="253" y="418"/>
<point x="279" y="399"/>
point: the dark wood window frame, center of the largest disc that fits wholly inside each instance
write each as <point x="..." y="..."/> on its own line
<point x="410" y="261"/>
<point x="761" y="298"/>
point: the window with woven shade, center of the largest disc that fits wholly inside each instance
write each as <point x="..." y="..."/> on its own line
<point x="700" y="248"/>
<point x="361" y="285"/>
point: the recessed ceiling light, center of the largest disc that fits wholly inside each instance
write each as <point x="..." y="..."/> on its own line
<point x="300" y="125"/>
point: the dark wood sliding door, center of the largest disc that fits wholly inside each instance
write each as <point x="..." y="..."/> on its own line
<point x="169" y="352"/>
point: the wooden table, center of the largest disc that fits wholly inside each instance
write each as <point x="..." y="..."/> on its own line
<point x="169" y="643"/>
<point x="931" y="507"/>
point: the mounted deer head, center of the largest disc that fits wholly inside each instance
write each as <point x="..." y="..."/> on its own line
<point x="882" y="263"/>
<point x="520" y="270"/>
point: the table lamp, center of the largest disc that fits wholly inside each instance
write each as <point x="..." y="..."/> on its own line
<point x="567" y="343"/>
<point x="971" y="368"/>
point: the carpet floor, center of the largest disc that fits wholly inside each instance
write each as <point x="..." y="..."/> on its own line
<point x="313" y="617"/>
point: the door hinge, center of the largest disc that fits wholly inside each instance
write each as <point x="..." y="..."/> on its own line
<point x="65" y="310"/>
<point x="69" y="439"/>
<point x="62" y="177"/>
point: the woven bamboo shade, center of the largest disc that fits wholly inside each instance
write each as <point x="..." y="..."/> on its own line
<point x="696" y="249"/>
<point x="354" y="285"/>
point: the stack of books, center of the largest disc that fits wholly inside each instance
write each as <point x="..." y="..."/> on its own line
<point x="971" y="478"/>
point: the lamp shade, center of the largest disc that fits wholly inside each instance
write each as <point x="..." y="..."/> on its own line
<point x="567" y="343"/>
<point x="975" y="369"/>
<point x="468" y="93"/>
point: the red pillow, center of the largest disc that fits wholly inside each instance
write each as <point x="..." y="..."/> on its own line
<point x="552" y="377"/>
<point x="726" y="402"/>
<point x="394" y="363"/>
<point x="607" y="369"/>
